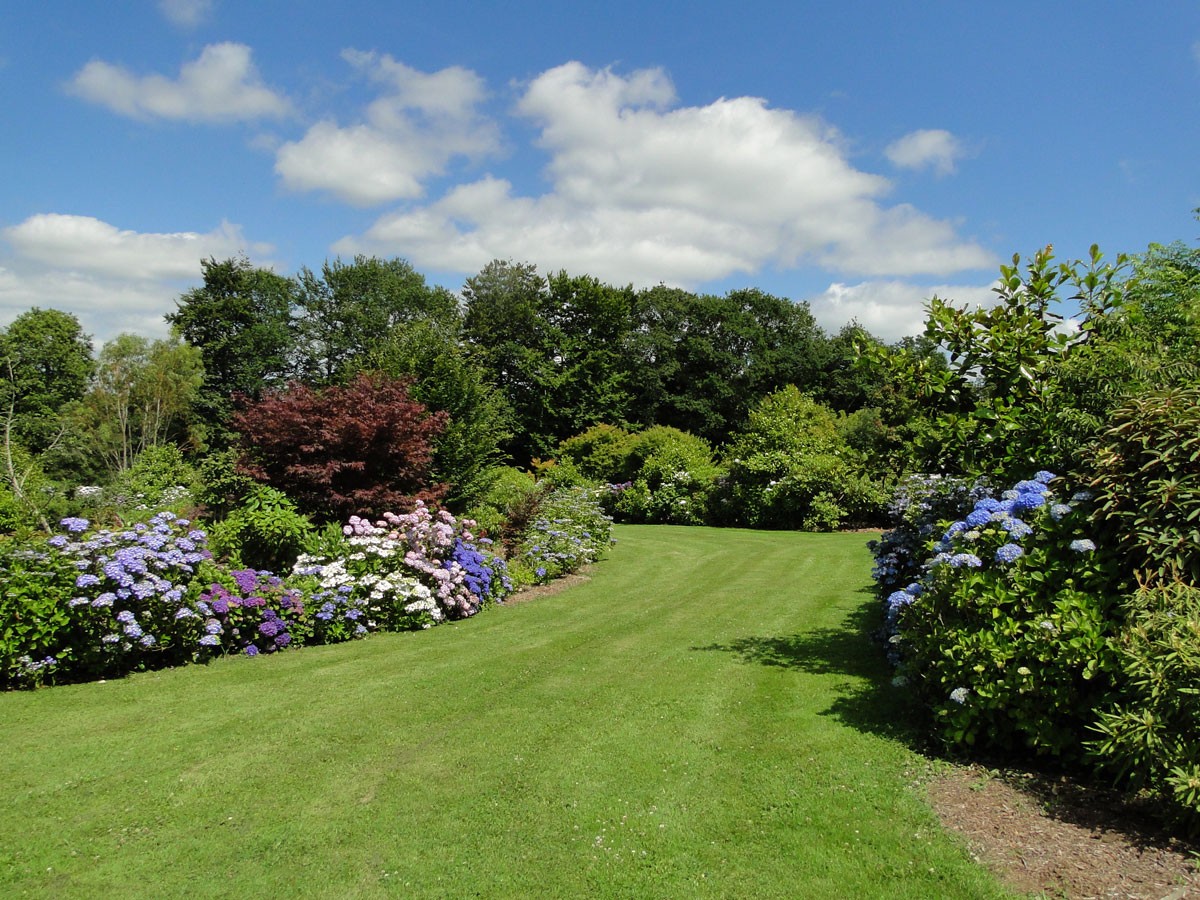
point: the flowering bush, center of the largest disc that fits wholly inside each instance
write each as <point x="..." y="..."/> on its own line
<point x="404" y="571"/>
<point x="1005" y="633"/>
<point x="257" y="615"/>
<point x="106" y="601"/>
<point x="920" y="505"/>
<point x="671" y="475"/>
<point x="36" y="626"/>
<point x="572" y="531"/>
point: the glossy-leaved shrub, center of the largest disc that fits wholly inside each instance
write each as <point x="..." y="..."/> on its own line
<point x="1149" y="734"/>
<point x="1146" y="478"/>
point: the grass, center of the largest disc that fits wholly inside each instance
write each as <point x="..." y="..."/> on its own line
<point x="704" y="718"/>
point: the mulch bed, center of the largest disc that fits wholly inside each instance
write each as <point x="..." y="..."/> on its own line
<point x="1049" y="835"/>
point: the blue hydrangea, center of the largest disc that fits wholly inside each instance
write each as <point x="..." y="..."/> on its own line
<point x="965" y="560"/>
<point x="1009" y="553"/>
<point x="979" y="517"/>
<point x="1082" y="545"/>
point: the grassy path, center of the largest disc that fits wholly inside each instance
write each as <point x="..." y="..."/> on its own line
<point x="701" y="719"/>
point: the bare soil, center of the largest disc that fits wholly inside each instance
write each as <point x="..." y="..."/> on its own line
<point x="1054" y="837"/>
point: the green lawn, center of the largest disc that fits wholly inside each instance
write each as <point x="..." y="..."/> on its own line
<point x="704" y="718"/>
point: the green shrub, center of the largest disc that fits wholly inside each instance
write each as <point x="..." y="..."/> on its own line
<point x="265" y="531"/>
<point x="158" y="479"/>
<point x="1151" y="734"/>
<point x="35" y="621"/>
<point x="600" y="453"/>
<point x="1147" y="481"/>
<point x="792" y="468"/>
<point x="508" y="507"/>
<point x="671" y="475"/>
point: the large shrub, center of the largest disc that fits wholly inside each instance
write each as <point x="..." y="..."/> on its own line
<point x="1147" y="481"/>
<point x="89" y="603"/>
<point x="1005" y="636"/>
<point x="792" y="468"/>
<point x="1149" y="734"/>
<point x="341" y="451"/>
<point x="669" y="477"/>
<point x="264" y="531"/>
<point x="602" y="453"/>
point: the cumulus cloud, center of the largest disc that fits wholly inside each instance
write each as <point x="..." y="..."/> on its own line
<point x="221" y="85"/>
<point x="890" y="309"/>
<point x="186" y="13"/>
<point x="112" y="279"/>
<point x="644" y="190"/>
<point x="419" y="123"/>
<point x="926" y="149"/>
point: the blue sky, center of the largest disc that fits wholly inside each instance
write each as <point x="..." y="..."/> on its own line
<point x="861" y="156"/>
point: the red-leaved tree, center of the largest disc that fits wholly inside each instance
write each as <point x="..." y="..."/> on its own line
<point x="360" y="449"/>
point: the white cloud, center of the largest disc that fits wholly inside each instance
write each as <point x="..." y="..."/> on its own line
<point x="890" y="310"/>
<point x="113" y="280"/>
<point x="421" y="122"/>
<point x="646" y="191"/>
<point x="186" y="13"/>
<point x="222" y="85"/>
<point x="926" y="149"/>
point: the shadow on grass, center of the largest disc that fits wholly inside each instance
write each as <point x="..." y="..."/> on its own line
<point x="869" y="703"/>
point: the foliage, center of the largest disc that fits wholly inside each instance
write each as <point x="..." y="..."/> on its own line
<point x="45" y="364"/>
<point x="1005" y="637"/>
<point x="555" y="347"/>
<point x="570" y="531"/>
<point x="264" y="531"/>
<point x="220" y="485"/>
<point x="1147" y="478"/>
<point x="143" y="396"/>
<point x="347" y="309"/>
<point x="792" y="468"/>
<point x="702" y="362"/>
<point x="241" y="321"/>
<point x="998" y="404"/>
<point x="98" y="603"/>
<point x="1148" y="736"/>
<point x="446" y="379"/>
<point x="159" y="478"/>
<point x="670" y="475"/>
<point x="35" y="621"/>
<point x="341" y="451"/>
<point x="601" y="453"/>
<point x="506" y="508"/>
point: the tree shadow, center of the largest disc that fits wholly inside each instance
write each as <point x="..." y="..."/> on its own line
<point x="867" y="701"/>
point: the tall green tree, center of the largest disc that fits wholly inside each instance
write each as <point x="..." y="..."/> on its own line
<point x="507" y="327"/>
<point x="45" y="364"/>
<point x="242" y="322"/>
<point x="143" y="396"/>
<point x="348" y="307"/>
<point x="703" y="361"/>
<point x="446" y="379"/>
<point x="556" y="347"/>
